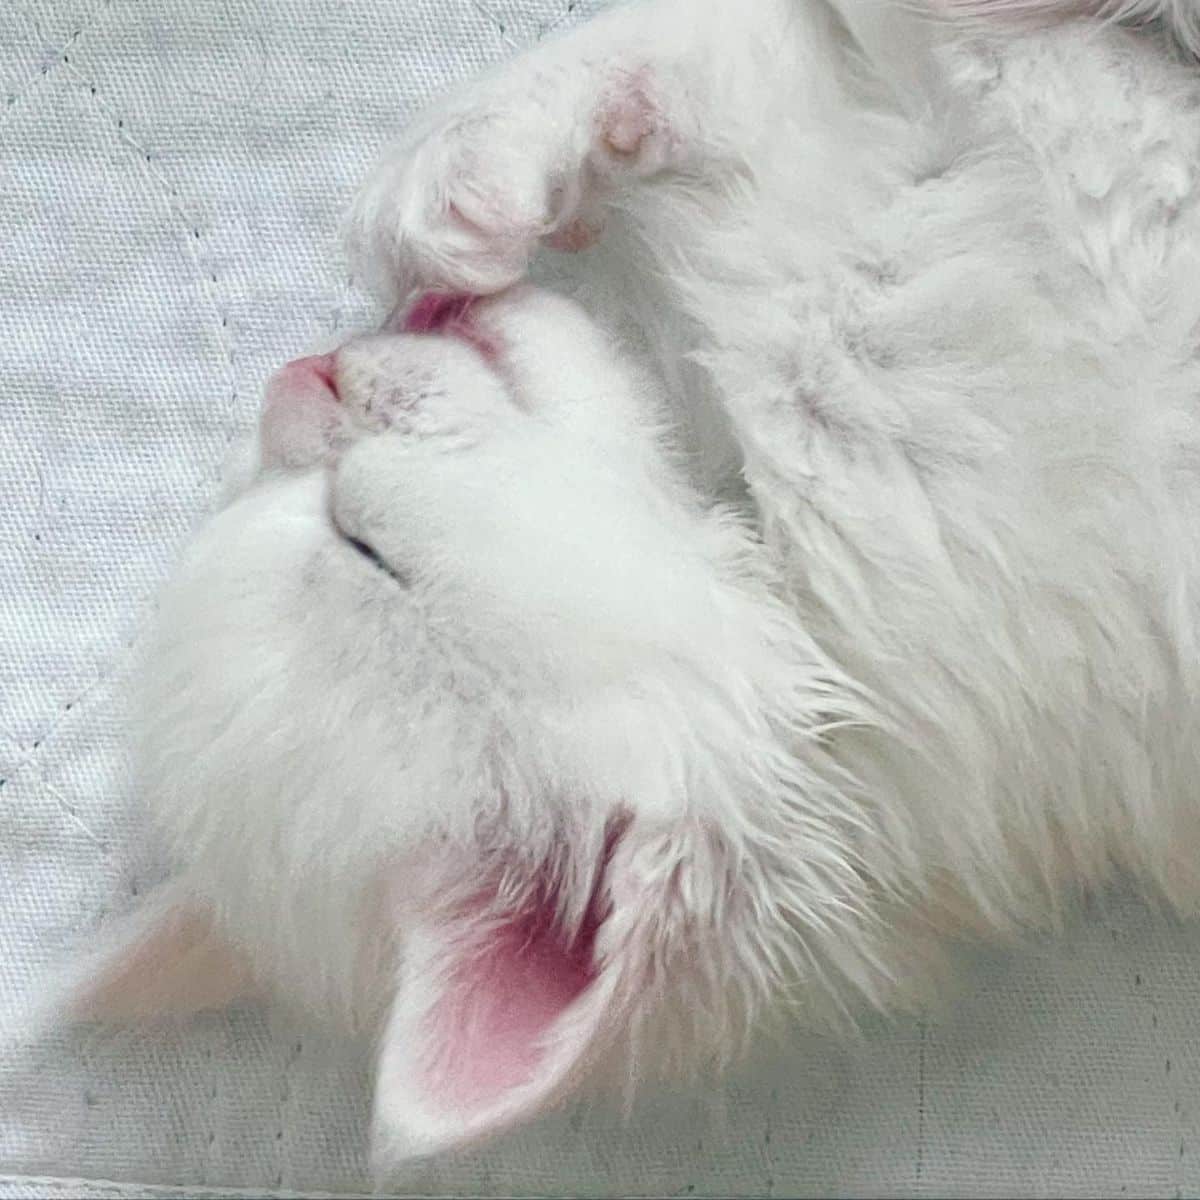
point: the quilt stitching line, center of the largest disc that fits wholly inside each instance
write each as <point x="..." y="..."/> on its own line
<point x="496" y="21"/>
<point x="71" y="707"/>
<point x="171" y="194"/>
<point x="16" y="766"/>
<point x="284" y="1103"/>
<point x="563" y="17"/>
<point x="207" y="279"/>
<point x="73" y="813"/>
<point x="116" y="1188"/>
<point x="60" y="57"/>
<point x="32" y="760"/>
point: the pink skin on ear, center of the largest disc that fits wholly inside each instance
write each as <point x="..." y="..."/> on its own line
<point x="435" y="310"/>
<point x="501" y="1001"/>
<point x="449" y="314"/>
<point x="496" y="1016"/>
<point x="168" y="960"/>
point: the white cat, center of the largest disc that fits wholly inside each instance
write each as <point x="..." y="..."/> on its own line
<point x="558" y="691"/>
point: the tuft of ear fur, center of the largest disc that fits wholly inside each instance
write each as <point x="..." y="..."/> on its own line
<point x="167" y="959"/>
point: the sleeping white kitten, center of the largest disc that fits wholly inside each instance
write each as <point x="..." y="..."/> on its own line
<point x="560" y="690"/>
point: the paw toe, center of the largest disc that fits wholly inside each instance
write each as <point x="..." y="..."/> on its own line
<point x="631" y="129"/>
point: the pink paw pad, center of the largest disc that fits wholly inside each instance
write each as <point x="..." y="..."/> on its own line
<point x="577" y="235"/>
<point x="629" y="118"/>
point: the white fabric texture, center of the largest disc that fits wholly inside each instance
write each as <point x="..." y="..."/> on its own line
<point x="171" y="178"/>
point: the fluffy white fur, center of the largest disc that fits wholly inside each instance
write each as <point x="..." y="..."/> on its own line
<point x="1179" y="18"/>
<point x="830" y="589"/>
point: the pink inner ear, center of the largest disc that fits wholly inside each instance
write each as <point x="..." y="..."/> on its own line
<point x="449" y="314"/>
<point x="434" y="311"/>
<point x="499" y="1003"/>
<point x="165" y="960"/>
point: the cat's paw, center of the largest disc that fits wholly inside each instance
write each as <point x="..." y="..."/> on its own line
<point x="462" y="204"/>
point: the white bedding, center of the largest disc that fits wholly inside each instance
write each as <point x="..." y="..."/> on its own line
<point x="171" y="175"/>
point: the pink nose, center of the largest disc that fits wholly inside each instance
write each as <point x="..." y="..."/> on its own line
<point x="301" y="412"/>
<point x="315" y="371"/>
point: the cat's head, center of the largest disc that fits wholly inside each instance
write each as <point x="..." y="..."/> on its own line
<point x="470" y="724"/>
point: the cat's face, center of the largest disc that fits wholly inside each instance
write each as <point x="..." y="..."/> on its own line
<point x="461" y="719"/>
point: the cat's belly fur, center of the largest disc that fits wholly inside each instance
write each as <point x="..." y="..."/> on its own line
<point x="962" y="381"/>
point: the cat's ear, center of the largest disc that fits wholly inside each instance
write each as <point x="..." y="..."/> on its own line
<point x="503" y="1007"/>
<point x="495" y="1016"/>
<point x="167" y="959"/>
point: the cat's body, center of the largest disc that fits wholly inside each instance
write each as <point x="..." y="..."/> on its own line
<point x="844" y="597"/>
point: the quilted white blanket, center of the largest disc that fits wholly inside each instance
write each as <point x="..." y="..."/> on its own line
<point x="171" y="175"/>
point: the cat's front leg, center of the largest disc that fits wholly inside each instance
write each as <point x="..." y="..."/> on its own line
<point x="530" y="153"/>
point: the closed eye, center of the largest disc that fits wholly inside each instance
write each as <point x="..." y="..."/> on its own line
<point x="368" y="552"/>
